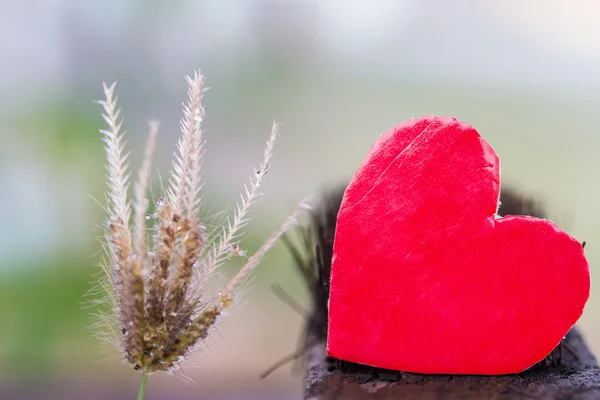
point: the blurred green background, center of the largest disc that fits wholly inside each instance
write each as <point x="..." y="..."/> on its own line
<point x="526" y="74"/>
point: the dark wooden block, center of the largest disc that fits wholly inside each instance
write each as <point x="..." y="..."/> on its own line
<point x="578" y="377"/>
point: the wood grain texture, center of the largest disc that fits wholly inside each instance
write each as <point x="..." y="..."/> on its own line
<point x="578" y="377"/>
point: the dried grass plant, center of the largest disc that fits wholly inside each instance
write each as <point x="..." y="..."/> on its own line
<point x="156" y="281"/>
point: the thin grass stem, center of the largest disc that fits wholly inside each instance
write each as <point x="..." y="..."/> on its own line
<point x="143" y="384"/>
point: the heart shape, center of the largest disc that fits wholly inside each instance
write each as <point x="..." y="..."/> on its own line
<point x="426" y="278"/>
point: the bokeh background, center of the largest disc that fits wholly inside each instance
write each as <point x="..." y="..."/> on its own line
<point x="526" y="74"/>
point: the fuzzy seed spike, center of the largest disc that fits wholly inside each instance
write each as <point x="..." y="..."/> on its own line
<point x="114" y="146"/>
<point x="129" y="286"/>
<point x="262" y="251"/>
<point x="218" y="253"/>
<point x="186" y="168"/>
<point x="141" y="201"/>
<point x="163" y="257"/>
<point x="191" y="247"/>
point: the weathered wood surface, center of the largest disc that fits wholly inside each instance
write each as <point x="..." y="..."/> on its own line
<point x="578" y="377"/>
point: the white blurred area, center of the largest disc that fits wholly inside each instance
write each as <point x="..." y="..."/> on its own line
<point x="61" y="37"/>
<point x="324" y="49"/>
<point x="526" y="74"/>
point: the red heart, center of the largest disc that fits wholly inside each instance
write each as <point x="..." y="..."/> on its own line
<point x="426" y="277"/>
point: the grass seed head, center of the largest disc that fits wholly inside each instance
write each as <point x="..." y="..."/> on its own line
<point x="155" y="287"/>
